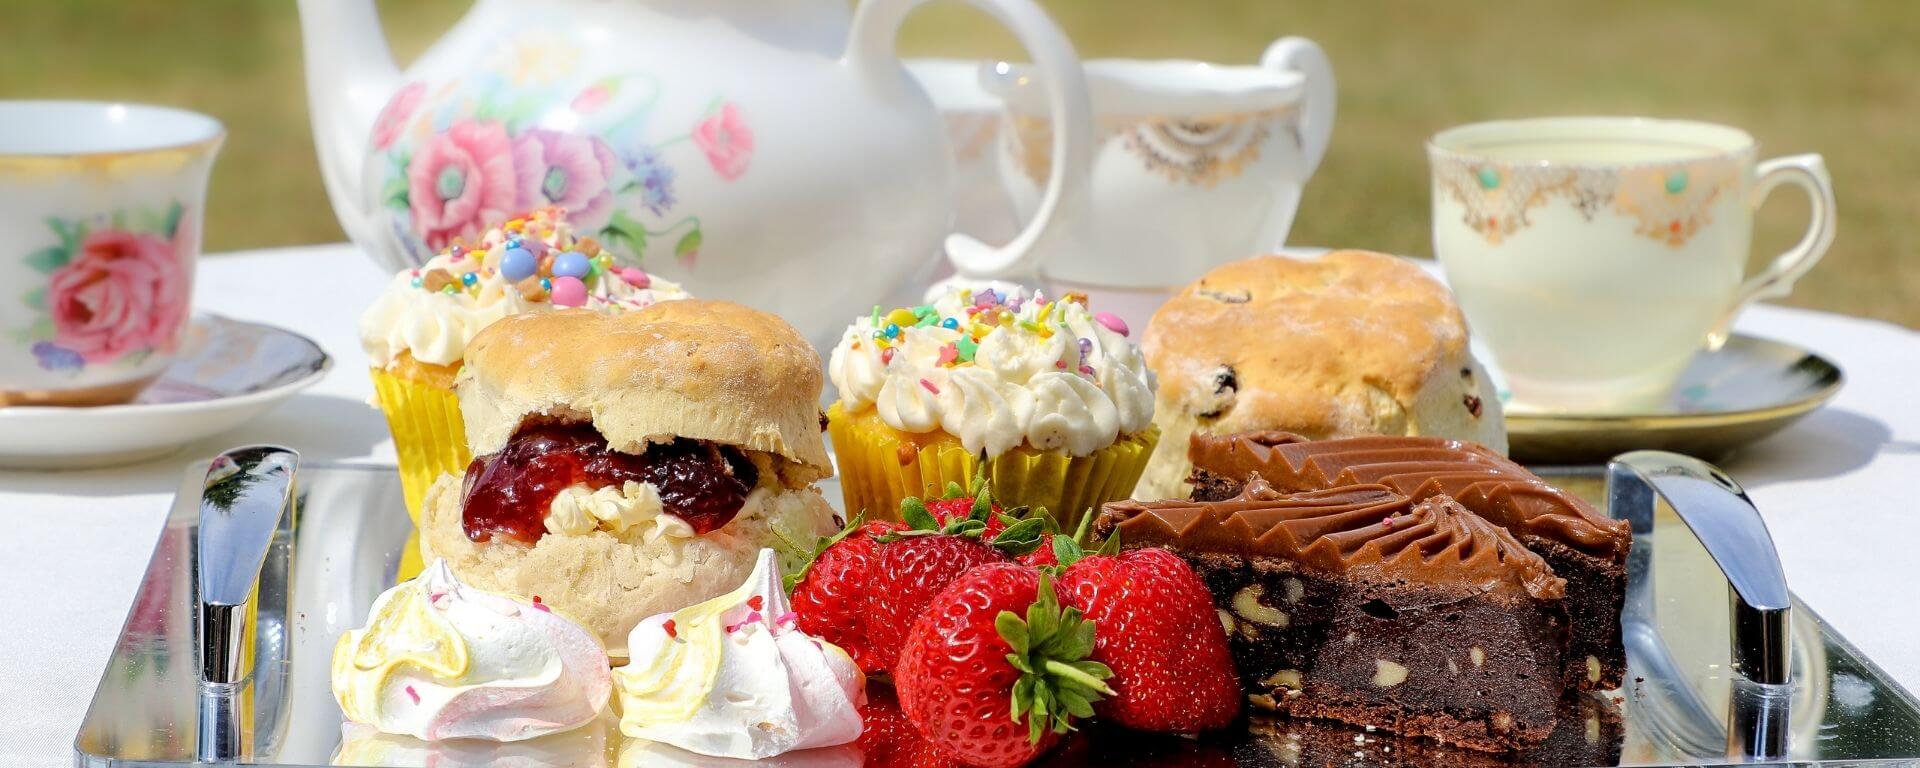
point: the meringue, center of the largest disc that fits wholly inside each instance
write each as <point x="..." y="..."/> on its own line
<point x="734" y="677"/>
<point x="442" y="660"/>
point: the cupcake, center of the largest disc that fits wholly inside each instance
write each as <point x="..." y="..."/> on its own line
<point x="1051" y="396"/>
<point x="629" y="465"/>
<point x="416" y="333"/>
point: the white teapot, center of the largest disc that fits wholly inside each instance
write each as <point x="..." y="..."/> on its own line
<point x="773" y="152"/>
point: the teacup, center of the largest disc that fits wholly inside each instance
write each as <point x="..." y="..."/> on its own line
<point x="1194" y="164"/>
<point x="1595" y="255"/>
<point x="101" y="206"/>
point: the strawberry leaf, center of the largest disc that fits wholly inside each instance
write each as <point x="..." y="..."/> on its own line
<point x="1014" y="631"/>
<point x="953" y="490"/>
<point x="1066" y="551"/>
<point x="1112" y="545"/>
<point x="1020" y="537"/>
<point x="793" y="579"/>
<point x="914" y="513"/>
<point x="982" y="506"/>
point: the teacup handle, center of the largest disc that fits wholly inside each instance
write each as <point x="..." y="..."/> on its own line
<point x="875" y="25"/>
<point x="1776" y="281"/>
<point x="1298" y="54"/>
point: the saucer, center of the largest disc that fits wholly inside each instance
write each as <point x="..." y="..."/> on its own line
<point x="228" y="372"/>
<point x="1746" y="390"/>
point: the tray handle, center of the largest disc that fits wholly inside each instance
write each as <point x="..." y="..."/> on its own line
<point x="1724" y="519"/>
<point x="247" y="492"/>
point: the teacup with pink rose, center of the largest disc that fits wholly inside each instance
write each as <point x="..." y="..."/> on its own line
<point x="101" y="205"/>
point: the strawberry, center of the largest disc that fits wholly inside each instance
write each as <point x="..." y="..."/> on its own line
<point x="886" y="738"/>
<point x="1043" y="554"/>
<point x="915" y="564"/>
<point x="956" y="504"/>
<point x="1053" y="543"/>
<point x="1159" y="634"/>
<point x="830" y="593"/>
<point x="988" y="686"/>
<point x="949" y="509"/>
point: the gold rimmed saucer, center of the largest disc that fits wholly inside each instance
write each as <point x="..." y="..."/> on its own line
<point x="1746" y="390"/>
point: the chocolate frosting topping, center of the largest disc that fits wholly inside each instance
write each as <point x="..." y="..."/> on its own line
<point x="1357" y="528"/>
<point x="1485" y="482"/>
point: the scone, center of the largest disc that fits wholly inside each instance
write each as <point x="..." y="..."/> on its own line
<point x="415" y="335"/>
<point x="1346" y="344"/>
<point x="632" y="464"/>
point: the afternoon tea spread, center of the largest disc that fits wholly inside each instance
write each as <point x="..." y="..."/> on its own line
<point x="737" y="393"/>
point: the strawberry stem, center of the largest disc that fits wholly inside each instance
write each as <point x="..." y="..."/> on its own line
<point x="1083" y="678"/>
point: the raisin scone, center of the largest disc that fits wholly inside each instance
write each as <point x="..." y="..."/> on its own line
<point x="1345" y="344"/>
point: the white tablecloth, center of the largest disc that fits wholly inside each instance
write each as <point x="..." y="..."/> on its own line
<point x="1837" y="490"/>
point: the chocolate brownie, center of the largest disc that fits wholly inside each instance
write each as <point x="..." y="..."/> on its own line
<point x="1585" y="547"/>
<point x="1358" y="604"/>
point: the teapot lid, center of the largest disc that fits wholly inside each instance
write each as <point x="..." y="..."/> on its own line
<point x="1172" y="87"/>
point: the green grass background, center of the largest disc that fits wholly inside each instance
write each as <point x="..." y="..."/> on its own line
<point x="1839" y="78"/>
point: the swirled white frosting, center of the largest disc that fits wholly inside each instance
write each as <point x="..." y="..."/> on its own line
<point x="434" y="326"/>
<point x="578" y="510"/>
<point x="734" y="677"/>
<point x="1012" y="369"/>
<point x="441" y="660"/>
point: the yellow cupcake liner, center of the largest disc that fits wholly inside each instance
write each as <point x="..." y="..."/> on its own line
<point x="429" y="438"/>
<point x="880" y="466"/>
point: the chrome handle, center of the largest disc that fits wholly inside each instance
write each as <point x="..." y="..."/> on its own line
<point x="242" y="503"/>
<point x="1726" y="523"/>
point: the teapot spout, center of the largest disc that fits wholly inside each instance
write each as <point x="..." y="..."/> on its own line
<point x="350" y="77"/>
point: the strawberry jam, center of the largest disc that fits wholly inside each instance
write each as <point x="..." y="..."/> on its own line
<point x="508" y="493"/>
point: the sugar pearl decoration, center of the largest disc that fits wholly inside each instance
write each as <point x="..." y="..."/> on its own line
<point x="571" y="264"/>
<point x="518" y="264"/>
<point x="635" y="277"/>
<point x="569" y="291"/>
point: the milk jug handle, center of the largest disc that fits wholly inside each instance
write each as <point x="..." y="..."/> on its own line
<point x="870" y="47"/>
<point x="1318" y="97"/>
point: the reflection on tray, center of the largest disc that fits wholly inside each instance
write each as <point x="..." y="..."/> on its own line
<point x="584" y="747"/>
<point x="1590" y="732"/>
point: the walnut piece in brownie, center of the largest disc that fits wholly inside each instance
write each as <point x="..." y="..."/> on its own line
<point x="1357" y="604"/>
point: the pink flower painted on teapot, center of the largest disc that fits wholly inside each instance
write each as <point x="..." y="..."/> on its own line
<point x="121" y="292"/>
<point x="461" y="181"/>
<point x="571" y="171"/>
<point x="393" y="117"/>
<point x="727" y="141"/>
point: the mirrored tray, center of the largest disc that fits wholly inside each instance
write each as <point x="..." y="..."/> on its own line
<point x="341" y="548"/>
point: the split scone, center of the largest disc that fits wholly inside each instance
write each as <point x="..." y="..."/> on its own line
<point x="631" y="465"/>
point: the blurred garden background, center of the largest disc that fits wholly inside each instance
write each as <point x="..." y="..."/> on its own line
<point x="1842" y="79"/>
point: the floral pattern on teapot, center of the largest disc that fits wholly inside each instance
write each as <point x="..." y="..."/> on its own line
<point x="527" y="132"/>
<point x="116" y="291"/>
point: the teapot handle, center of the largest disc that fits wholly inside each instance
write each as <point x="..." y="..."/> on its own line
<point x="871" y="47"/>
<point x="1298" y="54"/>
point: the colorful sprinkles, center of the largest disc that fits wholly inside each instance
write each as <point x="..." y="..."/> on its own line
<point x="540" y="259"/>
<point x="980" y="314"/>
